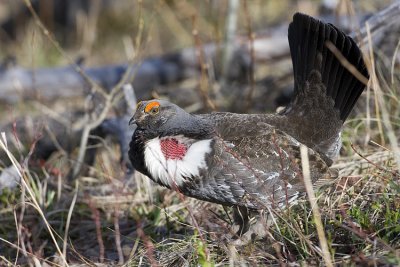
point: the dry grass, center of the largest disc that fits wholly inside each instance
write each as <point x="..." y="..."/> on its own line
<point x="107" y="218"/>
<point x="360" y="215"/>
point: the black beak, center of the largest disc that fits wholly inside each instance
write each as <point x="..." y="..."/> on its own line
<point x="132" y="121"/>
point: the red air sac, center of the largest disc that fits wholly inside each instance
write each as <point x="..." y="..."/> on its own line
<point x="172" y="149"/>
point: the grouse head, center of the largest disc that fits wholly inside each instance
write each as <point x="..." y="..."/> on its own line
<point x="162" y="118"/>
<point x="155" y="114"/>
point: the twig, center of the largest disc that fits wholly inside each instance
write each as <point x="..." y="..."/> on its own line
<point x="169" y="17"/>
<point x="203" y="83"/>
<point x="191" y="214"/>
<point x="395" y="173"/>
<point x="345" y="63"/>
<point x="109" y="101"/>
<point x="118" y="237"/>
<point x="96" y="218"/>
<point x="89" y="29"/>
<point x="117" y="192"/>
<point x="305" y="164"/>
<point x="28" y="253"/>
<point x="350" y="67"/>
<point x="148" y="244"/>
<point x="18" y="225"/>
<point x="394" y="62"/>
<point x="385" y="114"/>
<point x="357" y="230"/>
<point x="230" y="34"/>
<point x="69" y="216"/>
<point x="130" y="96"/>
<point x="18" y="221"/>
<point x="251" y="37"/>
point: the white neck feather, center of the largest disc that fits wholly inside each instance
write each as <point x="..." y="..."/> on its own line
<point x="174" y="172"/>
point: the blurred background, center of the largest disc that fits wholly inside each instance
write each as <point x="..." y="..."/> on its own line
<point x="72" y="71"/>
<point x="96" y="29"/>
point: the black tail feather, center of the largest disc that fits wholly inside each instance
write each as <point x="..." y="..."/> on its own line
<point x="307" y="40"/>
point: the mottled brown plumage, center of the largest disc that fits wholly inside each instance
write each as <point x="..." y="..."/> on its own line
<point x="253" y="160"/>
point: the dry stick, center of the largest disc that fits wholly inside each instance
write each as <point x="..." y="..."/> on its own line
<point x="358" y="231"/>
<point x="139" y="34"/>
<point x="117" y="231"/>
<point x="305" y="164"/>
<point x="89" y="32"/>
<point x="378" y="93"/>
<point x="196" y="225"/>
<point x="96" y="218"/>
<point x="385" y="114"/>
<point x="170" y="19"/>
<point x="53" y="139"/>
<point x="85" y="137"/>
<point x="148" y="244"/>
<point x="52" y="114"/>
<point x="295" y="229"/>
<point x="353" y="70"/>
<point x="17" y="225"/>
<point x="82" y="258"/>
<point x="368" y="116"/>
<point x="230" y="34"/>
<point x="130" y="96"/>
<point x="20" y="219"/>
<point x="378" y="115"/>
<point x="203" y="83"/>
<point x="134" y="248"/>
<point x="67" y="223"/>
<point x="118" y="237"/>
<point x="395" y="173"/>
<point x="28" y="253"/>
<point x="109" y="98"/>
<point x="345" y="63"/>
<point x="357" y="33"/>
<point x="251" y="37"/>
<point x="8" y="263"/>
<point x="32" y="195"/>
<point x="394" y="62"/>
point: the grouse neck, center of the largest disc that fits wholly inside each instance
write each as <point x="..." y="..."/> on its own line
<point x="189" y="126"/>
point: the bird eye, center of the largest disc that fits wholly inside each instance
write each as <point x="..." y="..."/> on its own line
<point x="154" y="110"/>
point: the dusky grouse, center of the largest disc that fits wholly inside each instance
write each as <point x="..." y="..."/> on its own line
<point x="253" y="160"/>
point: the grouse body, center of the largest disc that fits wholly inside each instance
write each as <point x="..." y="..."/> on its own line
<point x="253" y="160"/>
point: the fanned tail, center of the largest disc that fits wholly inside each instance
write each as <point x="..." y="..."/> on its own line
<point x="307" y="40"/>
<point x="325" y="91"/>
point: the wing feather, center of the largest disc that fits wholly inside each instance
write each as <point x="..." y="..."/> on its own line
<point x="255" y="170"/>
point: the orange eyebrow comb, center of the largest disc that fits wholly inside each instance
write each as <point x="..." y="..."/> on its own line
<point x="150" y="105"/>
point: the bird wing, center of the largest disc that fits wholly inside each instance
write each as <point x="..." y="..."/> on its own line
<point x="258" y="168"/>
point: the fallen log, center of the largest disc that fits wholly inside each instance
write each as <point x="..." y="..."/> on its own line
<point x="46" y="84"/>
